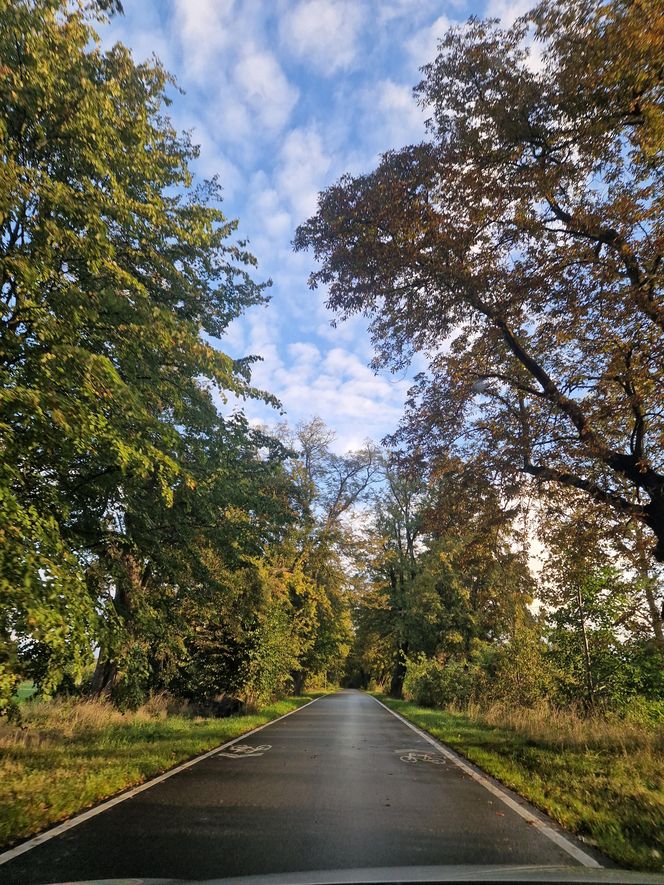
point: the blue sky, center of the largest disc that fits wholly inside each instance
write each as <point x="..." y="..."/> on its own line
<point x="284" y="96"/>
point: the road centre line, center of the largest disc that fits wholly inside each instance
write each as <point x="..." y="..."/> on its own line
<point x="584" y="859"/>
<point x="109" y="803"/>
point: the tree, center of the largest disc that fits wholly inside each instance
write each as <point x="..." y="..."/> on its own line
<point x="327" y="488"/>
<point x="598" y="590"/>
<point x="520" y="250"/>
<point x="181" y="569"/>
<point x="116" y="272"/>
<point x="444" y="574"/>
<point x="577" y="534"/>
<point x="397" y="522"/>
<point x="594" y="665"/>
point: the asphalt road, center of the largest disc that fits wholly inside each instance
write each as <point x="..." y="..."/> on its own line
<point x="342" y="783"/>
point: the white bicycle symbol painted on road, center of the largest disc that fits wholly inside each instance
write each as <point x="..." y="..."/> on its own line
<point x="414" y="756"/>
<point x="242" y="751"/>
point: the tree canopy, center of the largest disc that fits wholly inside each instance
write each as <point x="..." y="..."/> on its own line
<point x="519" y="248"/>
<point x="134" y="516"/>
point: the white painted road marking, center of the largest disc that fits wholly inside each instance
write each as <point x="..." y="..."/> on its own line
<point x="419" y="756"/>
<point x="243" y="751"/>
<point x="553" y="835"/>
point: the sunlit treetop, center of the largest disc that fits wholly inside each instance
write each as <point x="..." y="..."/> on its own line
<point x="519" y="248"/>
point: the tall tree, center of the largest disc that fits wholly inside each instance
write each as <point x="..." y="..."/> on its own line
<point x="444" y="571"/>
<point x="574" y="531"/>
<point x="520" y="249"/>
<point x="116" y="270"/>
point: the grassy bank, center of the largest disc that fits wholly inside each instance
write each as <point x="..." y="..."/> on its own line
<point x="600" y="779"/>
<point x="68" y="755"/>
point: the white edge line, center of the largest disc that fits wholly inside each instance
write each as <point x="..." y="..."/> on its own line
<point x="99" y="809"/>
<point x="584" y="859"/>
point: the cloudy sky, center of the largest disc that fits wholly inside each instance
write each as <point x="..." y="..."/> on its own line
<point x="284" y="96"/>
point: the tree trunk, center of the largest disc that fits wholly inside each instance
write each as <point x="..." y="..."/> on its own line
<point x="655" y="521"/>
<point x="586" y="650"/>
<point x="105" y="675"/>
<point x="127" y="581"/>
<point x="299" y="681"/>
<point x="655" y="616"/>
<point x="399" y="673"/>
<point x="645" y="574"/>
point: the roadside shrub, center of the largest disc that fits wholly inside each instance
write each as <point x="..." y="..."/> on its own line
<point x="644" y="711"/>
<point x="519" y="672"/>
<point x="430" y="682"/>
<point x="272" y="658"/>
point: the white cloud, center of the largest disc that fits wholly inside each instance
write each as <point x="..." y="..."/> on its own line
<point x="233" y="341"/>
<point x="423" y="45"/>
<point x="267" y="211"/>
<point x="324" y="33"/>
<point x="332" y="382"/>
<point x="302" y="169"/>
<point x="225" y="60"/>
<point x="265" y="88"/>
<point x="415" y="10"/>
<point x="203" y="28"/>
<point x="211" y="161"/>
<point x="141" y="29"/>
<point x="507" y="10"/>
<point x="399" y="119"/>
<point x="304" y="354"/>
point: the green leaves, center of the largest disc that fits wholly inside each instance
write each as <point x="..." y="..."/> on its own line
<point x="114" y="265"/>
<point x="46" y="614"/>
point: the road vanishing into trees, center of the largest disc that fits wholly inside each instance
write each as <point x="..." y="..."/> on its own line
<point x="340" y="784"/>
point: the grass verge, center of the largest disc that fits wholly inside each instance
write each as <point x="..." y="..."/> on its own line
<point x="68" y="755"/>
<point x="594" y="780"/>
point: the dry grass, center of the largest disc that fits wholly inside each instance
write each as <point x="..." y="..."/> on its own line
<point x="44" y="721"/>
<point x="569" y="730"/>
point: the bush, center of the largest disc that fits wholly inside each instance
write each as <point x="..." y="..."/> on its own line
<point x="519" y="672"/>
<point x="272" y="658"/>
<point x="644" y="711"/>
<point x="430" y="682"/>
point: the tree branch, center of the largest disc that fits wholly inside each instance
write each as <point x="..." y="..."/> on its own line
<point x="552" y="474"/>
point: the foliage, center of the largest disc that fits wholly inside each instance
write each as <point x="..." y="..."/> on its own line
<point x="519" y="672"/>
<point x="311" y="562"/>
<point x="518" y="249"/>
<point x="433" y="683"/>
<point x="272" y="658"/>
<point x="442" y="574"/>
<point x="126" y="499"/>
<point x="42" y="600"/>
<point x="611" y="673"/>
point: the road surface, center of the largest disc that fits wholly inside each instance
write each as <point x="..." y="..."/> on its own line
<point x="341" y="783"/>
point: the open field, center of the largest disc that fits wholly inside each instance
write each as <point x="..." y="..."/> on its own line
<point x="69" y="755"/>
<point x="603" y="780"/>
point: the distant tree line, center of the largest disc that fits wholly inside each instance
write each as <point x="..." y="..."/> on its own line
<point x="451" y="609"/>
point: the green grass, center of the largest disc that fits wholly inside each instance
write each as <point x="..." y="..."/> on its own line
<point x="69" y="755"/>
<point x="604" y="782"/>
